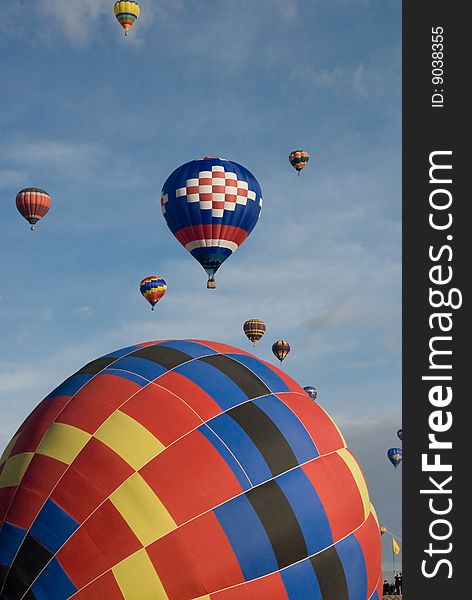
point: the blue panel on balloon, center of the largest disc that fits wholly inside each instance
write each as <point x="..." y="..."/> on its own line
<point x="308" y="509"/>
<point x="265" y="374"/>
<point x="242" y="447"/>
<point x="140" y="366"/>
<point x="53" y="583"/>
<point x="247" y="537"/>
<point x="11" y="537"/>
<point x="290" y="426"/>
<point x="71" y="385"/>
<point x="215" y="383"/>
<point x="227" y="456"/>
<point x="121" y="352"/>
<point x="191" y="348"/>
<point x="53" y="526"/>
<point x="300" y="581"/>
<point x="352" y="558"/>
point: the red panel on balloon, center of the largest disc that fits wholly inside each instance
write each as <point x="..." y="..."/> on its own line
<point x="27" y="505"/>
<point x="191" y="477"/>
<point x="35" y="426"/>
<point x="213" y="554"/>
<point x="96" y="401"/>
<point x="322" y="430"/>
<point x="338" y="492"/>
<point x="103" y="588"/>
<point x="196" y="398"/>
<point x="162" y="413"/>
<point x="176" y="567"/>
<point x="369" y="540"/>
<point x="271" y="587"/>
<point x="111" y="534"/>
<point x="93" y="476"/>
<point x="82" y="559"/>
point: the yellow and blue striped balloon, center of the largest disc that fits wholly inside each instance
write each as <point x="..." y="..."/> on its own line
<point x="153" y="288"/>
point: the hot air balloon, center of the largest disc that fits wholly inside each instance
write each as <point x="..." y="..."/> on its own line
<point x="126" y="13"/>
<point x="33" y="204"/>
<point x="254" y="330"/>
<point x="400" y="434"/>
<point x="211" y="205"/>
<point x="153" y="288"/>
<point x="395" y="456"/>
<point x="311" y="391"/>
<point x="298" y="159"/>
<point x="382" y="530"/>
<point x="220" y="479"/>
<point x="280" y="348"/>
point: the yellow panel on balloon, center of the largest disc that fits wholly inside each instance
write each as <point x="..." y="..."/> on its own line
<point x="8" y="449"/>
<point x="142" y="510"/>
<point x="128" y="438"/>
<point x="358" y="477"/>
<point x="14" y="469"/>
<point x="373" y="511"/>
<point x="63" y="442"/>
<point x="138" y="579"/>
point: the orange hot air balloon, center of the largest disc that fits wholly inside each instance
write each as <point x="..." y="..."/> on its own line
<point x="33" y="204"/>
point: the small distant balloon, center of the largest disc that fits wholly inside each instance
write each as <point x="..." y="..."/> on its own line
<point x="280" y="348"/>
<point x="299" y="159"/>
<point x="395" y="456"/>
<point x="126" y="13"/>
<point x="153" y="288"/>
<point x="382" y="530"/>
<point x="311" y="391"/>
<point x="254" y="330"/>
<point x="33" y="204"/>
<point x="400" y="434"/>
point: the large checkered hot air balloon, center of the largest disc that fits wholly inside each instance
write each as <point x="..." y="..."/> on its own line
<point x="211" y="205"/>
<point x="180" y="470"/>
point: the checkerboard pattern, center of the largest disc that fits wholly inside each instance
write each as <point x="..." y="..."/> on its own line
<point x="216" y="190"/>
<point x="211" y="205"/>
<point x="164" y="471"/>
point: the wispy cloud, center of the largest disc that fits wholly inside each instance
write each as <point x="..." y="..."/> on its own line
<point x="360" y="82"/>
<point x="77" y="20"/>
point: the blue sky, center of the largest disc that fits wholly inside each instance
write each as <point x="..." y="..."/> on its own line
<point x="100" y="121"/>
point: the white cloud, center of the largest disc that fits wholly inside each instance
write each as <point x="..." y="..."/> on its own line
<point x="77" y="20"/>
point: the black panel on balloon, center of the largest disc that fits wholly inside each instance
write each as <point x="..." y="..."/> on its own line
<point x="163" y="355"/>
<point x="330" y="574"/>
<point x="31" y="559"/>
<point x="250" y="384"/>
<point x="266" y="436"/>
<point x="94" y="367"/>
<point x="280" y="523"/>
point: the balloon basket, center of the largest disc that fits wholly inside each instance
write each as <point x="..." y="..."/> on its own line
<point x="211" y="284"/>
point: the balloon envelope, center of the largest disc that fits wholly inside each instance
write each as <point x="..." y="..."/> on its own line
<point x="153" y="288"/>
<point x="254" y="330"/>
<point x="400" y="434"/>
<point x="211" y="205"/>
<point x="183" y="469"/>
<point x="311" y="391"/>
<point x="126" y="13"/>
<point x="395" y="456"/>
<point x="299" y="159"/>
<point x="280" y="349"/>
<point x="33" y="204"/>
